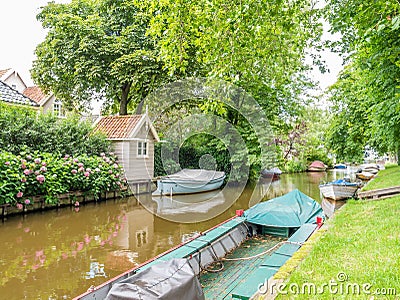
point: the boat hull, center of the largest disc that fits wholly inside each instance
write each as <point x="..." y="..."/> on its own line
<point x="340" y="166"/>
<point x="175" y="187"/>
<point x="338" y="192"/>
<point x="201" y="250"/>
<point x="315" y="169"/>
<point x="365" y="175"/>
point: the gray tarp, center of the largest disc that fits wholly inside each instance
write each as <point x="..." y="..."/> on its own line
<point x="291" y="210"/>
<point x="170" y="280"/>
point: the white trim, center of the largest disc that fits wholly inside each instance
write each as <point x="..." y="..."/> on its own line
<point x="16" y="74"/>
<point x="147" y="148"/>
<point x="139" y="125"/>
<point x="128" y="139"/>
<point x="46" y="99"/>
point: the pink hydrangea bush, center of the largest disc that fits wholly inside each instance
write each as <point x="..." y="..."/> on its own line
<point x="27" y="175"/>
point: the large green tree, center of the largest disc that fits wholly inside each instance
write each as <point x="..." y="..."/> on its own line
<point x="97" y="49"/>
<point x="366" y="93"/>
<point x="258" y="45"/>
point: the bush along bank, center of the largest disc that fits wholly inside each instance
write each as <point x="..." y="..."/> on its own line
<point x="27" y="176"/>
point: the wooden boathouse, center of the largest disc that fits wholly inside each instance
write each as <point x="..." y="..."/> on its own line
<point x="133" y="138"/>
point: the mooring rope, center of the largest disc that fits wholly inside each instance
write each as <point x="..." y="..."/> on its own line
<point x="262" y="253"/>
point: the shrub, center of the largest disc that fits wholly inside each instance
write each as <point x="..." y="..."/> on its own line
<point x="31" y="174"/>
<point x="22" y="128"/>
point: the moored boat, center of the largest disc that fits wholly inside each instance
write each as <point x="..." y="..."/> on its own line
<point x="365" y="175"/>
<point x="291" y="218"/>
<point x="273" y="173"/>
<point x="189" y="181"/>
<point x="339" y="189"/>
<point x="340" y="166"/>
<point x="317" y="166"/>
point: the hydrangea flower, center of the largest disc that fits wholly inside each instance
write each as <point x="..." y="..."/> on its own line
<point x="20" y="194"/>
<point x="40" y="178"/>
<point x="37" y="160"/>
<point x="74" y="171"/>
<point x="19" y="206"/>
<point x="27" y="201"/>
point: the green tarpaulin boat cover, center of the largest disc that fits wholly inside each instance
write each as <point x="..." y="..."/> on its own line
<point x="291" y="210"/>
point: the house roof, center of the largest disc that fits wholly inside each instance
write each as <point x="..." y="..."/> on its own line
<point x="3" y="72"/>
<point x="123" y="127"/>
<point x="8" y="94"/>
<point x="35" y="93"/>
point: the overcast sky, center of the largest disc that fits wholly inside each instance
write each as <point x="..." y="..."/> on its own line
<point x="21" y="33"/>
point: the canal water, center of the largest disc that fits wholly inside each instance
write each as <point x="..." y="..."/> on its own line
<point x="59" y="254"/>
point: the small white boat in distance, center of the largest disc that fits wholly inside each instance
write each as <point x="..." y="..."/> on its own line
<point x="339" y="189"/>
<point x="189" y="181"/>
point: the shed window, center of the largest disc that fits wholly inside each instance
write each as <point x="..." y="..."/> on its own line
<point x="142" y="148"/>
<point x="58" y="109"/>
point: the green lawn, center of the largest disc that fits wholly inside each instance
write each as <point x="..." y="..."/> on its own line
<point x="361" y="245"/>
<point x="385" y="178"/>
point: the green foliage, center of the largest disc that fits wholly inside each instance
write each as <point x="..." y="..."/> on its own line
<point x="304" y="141"/>
<point x="294" y="166"/>
<point x="26" y="175"/>
<point x="96" y="48"/>
<point x="256" y="45"/>
<point x="22" y="128"/>
<point x="366" y="97"/>
<point x="205" y="151"/>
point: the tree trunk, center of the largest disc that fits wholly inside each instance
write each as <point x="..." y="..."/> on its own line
<point x="123" y="106"/>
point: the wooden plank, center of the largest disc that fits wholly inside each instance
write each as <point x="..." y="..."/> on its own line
<point x="380" y="193"/>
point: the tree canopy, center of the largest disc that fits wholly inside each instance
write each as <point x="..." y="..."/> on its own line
<point x="97" y="49"/>
<point x="257" y="45"/>
<point x="366" y="96"/>
<point x="124" y="49"/>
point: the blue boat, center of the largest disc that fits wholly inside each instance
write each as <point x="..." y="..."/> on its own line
<point x="189" y="181"/>
<point x="230" y="260"/>
<point x="340" y="166"/>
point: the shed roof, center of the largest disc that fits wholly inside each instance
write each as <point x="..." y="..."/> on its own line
<point x="124" y="127"/>
<point x="118" y="127"/>
<point x="8" y="94"/>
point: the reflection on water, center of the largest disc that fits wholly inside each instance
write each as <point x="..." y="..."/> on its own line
<point x="60" y="254"/>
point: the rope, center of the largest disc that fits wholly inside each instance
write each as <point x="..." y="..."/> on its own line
<point x="262" y="253"/>
<point x="216" y="260"/>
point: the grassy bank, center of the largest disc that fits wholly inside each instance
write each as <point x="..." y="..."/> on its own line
<point x="385" y="178"/>
<point x="360" y="247"/>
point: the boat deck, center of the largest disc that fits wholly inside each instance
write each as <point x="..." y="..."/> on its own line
<point x="219" y="285"/>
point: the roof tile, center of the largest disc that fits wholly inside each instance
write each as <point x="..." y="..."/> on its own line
<point x="8" y="94"/>
<point x="35" y="93"/>
<point x="3" y="72"/>
<point x="118" y="127"/>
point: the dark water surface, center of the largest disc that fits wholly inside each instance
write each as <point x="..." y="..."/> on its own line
<point x="60" y="254"/>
